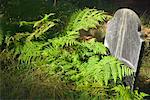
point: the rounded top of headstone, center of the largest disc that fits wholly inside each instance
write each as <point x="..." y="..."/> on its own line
<point x="125" y="10"/>
<point x="128" y="12"/>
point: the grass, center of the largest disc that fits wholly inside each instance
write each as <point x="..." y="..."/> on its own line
<point x="28" y="82"/>
<point x="31" y="84"/>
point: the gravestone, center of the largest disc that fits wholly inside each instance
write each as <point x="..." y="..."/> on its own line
<point x="123" y="37"/>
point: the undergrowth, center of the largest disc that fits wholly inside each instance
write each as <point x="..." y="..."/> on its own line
<point x="60" y="65"/>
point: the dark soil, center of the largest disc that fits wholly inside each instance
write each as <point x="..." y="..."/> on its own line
<point x="143" y="78"/>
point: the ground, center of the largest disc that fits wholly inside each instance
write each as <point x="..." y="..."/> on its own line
<point x="143" y="79"/>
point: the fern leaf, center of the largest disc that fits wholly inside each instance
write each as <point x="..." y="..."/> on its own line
<point x="85" y="19"/>
<point x="45" y="18"/>
<point x="62" y="41"/>
<point x="93" y="60"/>
<point x="129" y="71"/>
<point x="41" y="27"/>
<point x="119" y="71"/>
<point x="123" y="70"/>
<point x="96" y="47"/>
<point x="114" y="71"/>
<point x="30" y="51"/>
<point x="107" y="74"/>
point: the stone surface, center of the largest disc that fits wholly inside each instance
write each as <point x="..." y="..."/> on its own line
<point x="123" y="37"/>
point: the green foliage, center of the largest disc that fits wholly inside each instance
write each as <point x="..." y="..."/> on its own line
<point x="85" y="64"/>
<point x="101" y="71"/>
<point x="85" y="19"/>
<point x="69" y="39"/>
<point x="1" y="38"/>
<point x="40" y="27"/>
<point x="145" y="19"/>
<point x="1" y="34"/>
<point x="124" y="93"/>
<point x="24" y="83"/>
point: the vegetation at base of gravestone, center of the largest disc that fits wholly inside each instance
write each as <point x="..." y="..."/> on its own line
<point x="145" y="18"/>
<point x="44" y="64"/>
<point x="144" y="68"/>
<point x="144" y="73"/>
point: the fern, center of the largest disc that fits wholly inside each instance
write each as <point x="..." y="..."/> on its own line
<point x="85" y="19"/>
<point x="30" y="52"/>
<point x="124" y="93"/>
<point x="85" y="63"/>
<point x="103" y="70"/>
<point x="66" y="52"/>
<point x="88" y="17"/>
<point x="72" y="33"/>
<point x="95" y="47"/>
<point x="40" y="26"/>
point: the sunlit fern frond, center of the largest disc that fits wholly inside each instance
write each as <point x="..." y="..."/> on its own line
<point x="96" y="47"/>
<point x="40" y="27"/>
<point x="104" y="70"/>
<point x="86" y="18"/>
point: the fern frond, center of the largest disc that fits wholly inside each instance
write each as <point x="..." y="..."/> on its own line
<point x="125" y="93"/>
<point x="119" y="71"/>
<point x="40" y="26"/>
<point x="85" y="19"/>
<point x="67" y="40"/>
<point x="43" y="20"/>
<point x="39" y="31"/>
<point x="104" y="70"/>
<point x="107" y="74"/>
<point x="95" y="47"/>
<point x="116" y="67"/>
<point x="30" y="52"/>
<point x="114" y="71"/>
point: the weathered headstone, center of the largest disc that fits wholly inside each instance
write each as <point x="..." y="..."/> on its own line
<point x="123" y="37"/>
